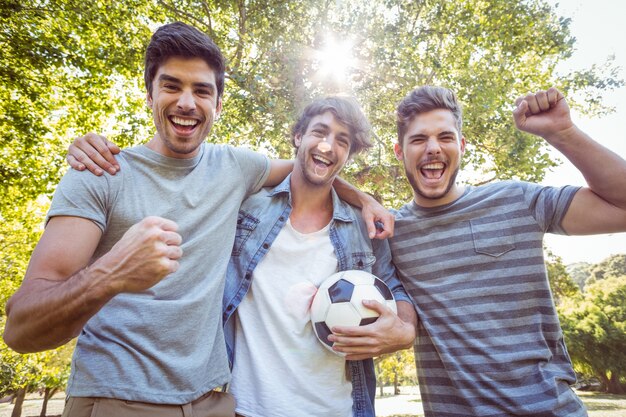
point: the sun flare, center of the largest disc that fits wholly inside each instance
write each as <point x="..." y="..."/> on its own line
<point x="336" y="59"/>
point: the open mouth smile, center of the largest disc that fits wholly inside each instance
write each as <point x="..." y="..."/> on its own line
<point x="320" y="160"/>
<point x="433" y="170"/>
<point x="183" y="125"/>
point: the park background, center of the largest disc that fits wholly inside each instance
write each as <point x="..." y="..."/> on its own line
<point x="68" y="67"/>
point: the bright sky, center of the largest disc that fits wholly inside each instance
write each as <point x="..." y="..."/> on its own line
<point x="600" y="31"/>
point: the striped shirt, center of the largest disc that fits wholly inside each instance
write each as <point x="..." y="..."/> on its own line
<point x="489" y="340"/>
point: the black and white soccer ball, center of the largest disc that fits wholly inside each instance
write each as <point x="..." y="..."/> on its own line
<point x="338" y="302"/>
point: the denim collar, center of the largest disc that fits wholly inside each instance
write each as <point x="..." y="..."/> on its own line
<point x="341" y="209"/>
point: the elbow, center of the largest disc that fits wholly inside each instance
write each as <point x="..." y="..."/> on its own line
<point x="13" y="341"/>
<point x="21" y="343"/>
<point x="11" y="330"/>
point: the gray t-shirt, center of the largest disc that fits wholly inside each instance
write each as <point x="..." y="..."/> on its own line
<point x="489" y="341"/>
<point x="165" y="344"/>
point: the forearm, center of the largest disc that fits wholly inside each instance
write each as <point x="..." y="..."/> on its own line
<point x="603" y="169"/>
<point x="379" y="221"/>
<point x="44" y="314"/>
<point x="350" y="194"/>
<point x="407" y="314"/>
<point x="279" y="169"/>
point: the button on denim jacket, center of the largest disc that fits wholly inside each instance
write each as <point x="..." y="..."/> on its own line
<point x="261" y="218"/>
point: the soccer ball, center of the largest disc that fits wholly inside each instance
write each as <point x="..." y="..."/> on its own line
<point x="338" y="302"/>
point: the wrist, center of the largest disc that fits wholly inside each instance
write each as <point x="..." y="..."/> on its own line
<point x="103" y="285"/>
<point x="366" y="199"/>
<point x="563" y="135"/>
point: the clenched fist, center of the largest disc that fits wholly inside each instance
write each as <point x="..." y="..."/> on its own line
<point x="147" y="252"/>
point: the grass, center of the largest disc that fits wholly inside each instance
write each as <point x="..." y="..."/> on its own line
<point x="598" y="404"/>
<point x="604" y="405"/>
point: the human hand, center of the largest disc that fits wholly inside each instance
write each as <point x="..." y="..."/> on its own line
<point x="145" y="254"/>
<point x="387" y="334"/>
<point x="93" y="152"/>
<point x="379" y="221"/>
<point x="544" y="113"/>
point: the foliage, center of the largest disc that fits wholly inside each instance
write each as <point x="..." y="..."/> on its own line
<point x="25" y="373"/>
<point x="561" y="284"/>
<point x="614" y="266"/>
<point x="396" y="369"/>
<point x="579" y="272"/>
<point x="68" y="67"/>
<point x="585" y="273"/>
<point x="595" y="331"/>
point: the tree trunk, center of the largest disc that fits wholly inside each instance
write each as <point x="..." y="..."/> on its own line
<point x="48" y="393"/>
<point x="613" y="385"/>
<point x="19" y="401"/>
<point x="604" y="381"/>
<point x="396" y="388"/>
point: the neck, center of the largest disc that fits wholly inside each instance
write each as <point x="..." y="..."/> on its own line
<point x="452" y="195"/>
<point x="312" y="205"/>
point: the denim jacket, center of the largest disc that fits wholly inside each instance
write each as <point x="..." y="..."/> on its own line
<point x="261" y="218"/>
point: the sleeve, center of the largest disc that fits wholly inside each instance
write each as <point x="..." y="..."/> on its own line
<point x="548" y="205"/>
<point x="255" y="168"/>
<point x="384" y="269"/>
<point x="81" y="194"/>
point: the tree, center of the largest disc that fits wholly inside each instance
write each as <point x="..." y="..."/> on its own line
<point x="595" y="331"/>
<point x="68" y="67"/>
<point x="579" y="272"/>
<point x="397" y="368"/>
<point x="55" y="369"/>
<point x="561" y="284"/>
<point x="613" y="266"/>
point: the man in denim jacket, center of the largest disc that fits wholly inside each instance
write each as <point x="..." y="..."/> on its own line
<point x="289" y="239"/>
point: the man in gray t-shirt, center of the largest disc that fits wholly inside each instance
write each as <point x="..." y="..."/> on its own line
<point x="489" y="341"/>
<point x="134" y="263"/>
<point x="147" y="308"/>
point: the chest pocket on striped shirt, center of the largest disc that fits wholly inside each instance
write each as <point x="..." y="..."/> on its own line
<point x="492" y="236"/>
<point x="363" y="260"/>
<point x="245" y="226"/>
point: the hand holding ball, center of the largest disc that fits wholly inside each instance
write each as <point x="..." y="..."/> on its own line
<point x="338" y="302"/>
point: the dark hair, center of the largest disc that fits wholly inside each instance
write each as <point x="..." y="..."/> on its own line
<point x="422" y="100"/>
<point x="347" y="111"/>
<point x="181" y="40"/>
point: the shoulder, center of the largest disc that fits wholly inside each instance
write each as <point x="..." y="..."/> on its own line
<point x="238" y="152"/>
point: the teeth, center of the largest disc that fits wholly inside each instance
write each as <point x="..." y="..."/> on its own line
<point x="184" y="122"/>
<point x="322" y="159"/>
<point x="434" y="165"/>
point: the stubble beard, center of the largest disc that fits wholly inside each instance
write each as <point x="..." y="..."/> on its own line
<point x="310" y="177"/>
<point x="418" y="192"/>
<point x="181" y="146"/>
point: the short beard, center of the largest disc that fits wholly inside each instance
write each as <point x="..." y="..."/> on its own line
<point x="418" y="192"/>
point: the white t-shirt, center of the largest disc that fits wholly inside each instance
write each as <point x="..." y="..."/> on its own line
<point x="280" y="368"/>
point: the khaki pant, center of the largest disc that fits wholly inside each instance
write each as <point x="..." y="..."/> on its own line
<point x="211" y="404"/>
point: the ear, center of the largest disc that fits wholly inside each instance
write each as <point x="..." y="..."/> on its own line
<point x="149" y="99"/>
<point x="462" y="145"/>
<point x="218" y="108"/>
<point x="397" y="149"/>
<point x="297" y="140"/>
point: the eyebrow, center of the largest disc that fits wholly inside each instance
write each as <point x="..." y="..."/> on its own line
<point x="320" y="125"/>
<point x="422" y="135"/>
<point x="169" y="78"/>
<point x="327" y="128"/>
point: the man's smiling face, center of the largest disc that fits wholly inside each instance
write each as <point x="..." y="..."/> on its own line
<point x="431" y="152"/>
<point x="323" y="149"/>
<point x="184" y="105"/>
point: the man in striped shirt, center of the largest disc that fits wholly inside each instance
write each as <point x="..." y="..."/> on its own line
<point x="489" y="341"/>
